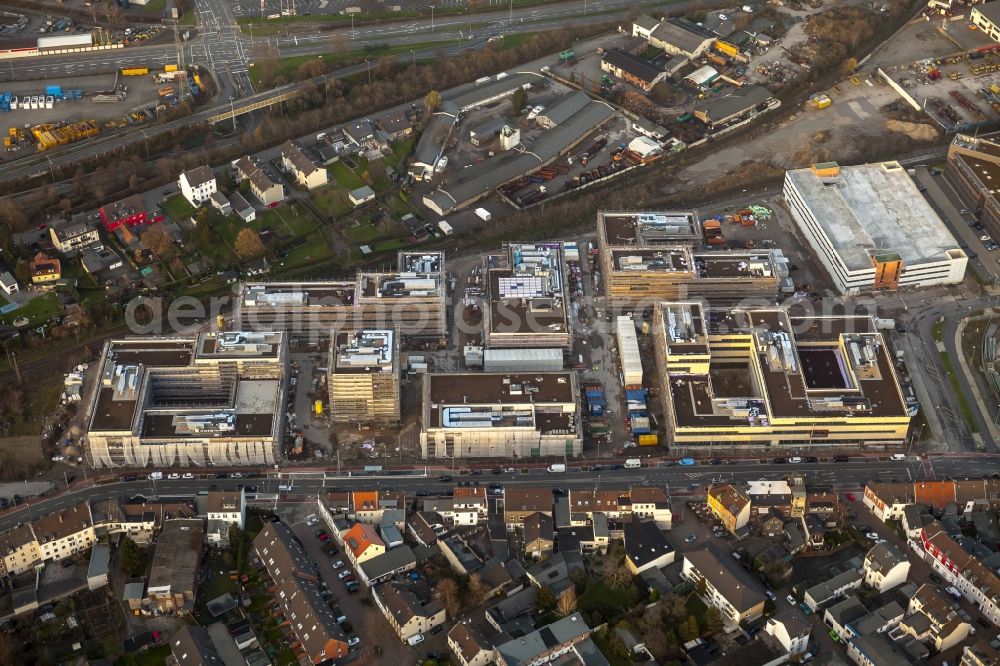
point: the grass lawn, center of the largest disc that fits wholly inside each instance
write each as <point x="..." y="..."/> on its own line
<point x="314" y="250"/>
<point x="963" y="405"/>
<point x="604" y="641"/>
<point x="156" y="656"/>
<point x="345" y="177"/>
<point x="374" y="174"/>
<point x="37" y="310"/>
<point x="363" y="233"/>
<point x="399" y="205"/>
<point x="387" y="245"/>
<point x="332" y="200"/>
<point x="401" y="150"/>
<point x="599" y="593"/>
<point x="178" y="207"/>
<point x="294" y="219"/>
<point x="288" y="66"/>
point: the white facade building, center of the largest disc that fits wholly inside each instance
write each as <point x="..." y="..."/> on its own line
<point x="197" y="185"/>
<point x="871" y="228"/>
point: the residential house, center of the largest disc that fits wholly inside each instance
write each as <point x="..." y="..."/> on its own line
<point x="44" y="269"/>
<point x="556" y="571"/>
<point x="731" y="506"/>
<point x="472" y="498"/>
<point x="263" y="186"/>
<point x="773" y="524"/>
<point x="173" y="578"/>
<point x="679" y="36"/>
<point x="298" y="595"/>
<point x="8" y="283"/>
<point x="192" y="646"/>
<point x="130" y="212"/>
<point x="507" y="613"/>
<point x="368" y="506"/>
<point x="521" y="502"/>
<point x="915" y="518"/>
<point x="889" y="500"/>
<point x="307" y="173"/>
<point x="405" y="613"/>
<point x="980" y="653"/>
<point x="360" y="133"/>
<point x="879" y="620"/>
<point x="651" y="503"/>
<point x="885" y="567"/>
<point x="242" y="208"/>
<point x="832" y="589"/>
<point x="545" y="644"/>
<point x="72" y="238"/>
<point x="932" y="620"/>
<point x="397" y="124"/>
<point x="646" y="547"/>
<point x="65" y="533"/>
<point x="815" y="531"/>
<point x="460" y="556"/>
<point x="791" y="629"/>
<point x="643" y="25"/>
<point x="877" y="649"/>
<point x="422" y="527"/>
<point x="383" y="567"/>
<point x="363" y="194"/>
<point x="588" y="538"/>
<point x="728" y="587"/>
<point x="445" y="508"/>
<point x="198" y="185"/>
<point x="469" y="646"/>
<point x="361" y="543"/>
<point x="977" y="582"/>
<point x="220" y="203"/>
<point x="222" y="508"/>
<point x="538" y="535"/>
<point x="841" y="614"/>
<point x="98" y="261"/>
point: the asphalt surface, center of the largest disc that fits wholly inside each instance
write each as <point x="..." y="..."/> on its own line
<point x="305" y="485"/>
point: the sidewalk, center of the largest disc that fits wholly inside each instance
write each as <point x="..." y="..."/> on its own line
<point x="981" y="404"/>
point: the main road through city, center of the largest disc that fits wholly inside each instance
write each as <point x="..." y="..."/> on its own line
<point x="843" y="477"/>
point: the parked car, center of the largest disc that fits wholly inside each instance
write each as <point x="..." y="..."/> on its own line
<point x="344" y="574"/>
<point x="339" y="564"/>
<point x="790" y="599"/>
<point x="173" y="475"/>
<point x="312" y="520"/>
<point x="188" y="475"/>
<point x="438" y="629"/>
<point x="686" y="462"/>
<point x="690" y="538"/>
<point x="444" y="479"/>
<point x="353" y="640"/>
<point x="871" y="535"/>
<point x="935" y="578"/>
<point x="834" y="636"/>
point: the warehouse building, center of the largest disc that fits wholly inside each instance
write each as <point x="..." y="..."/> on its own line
<point x="411" y="301"/>
<point x="174" y="573"/>
<point x="523" y="360"/>
<point x="679" y="36"/>
<point x="363" y="378"/>
<point x="647" y="257"/>
<point x="628" y="351"/>
<point x="973" y="163"/>
<point x="987" y="18"/>
<point x="759" y="377"/>
<point x="526" y="298"/>
<point x="631" y="69"/>
<point x="430" y="148"/>
<point x="214" y="399"/>
<point x="871" y="228"/>
<point x="739" y="105"/>
<point x="569" y="121"/>
<point x="513" y="416"/>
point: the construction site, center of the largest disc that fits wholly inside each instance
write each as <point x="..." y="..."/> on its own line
<point x="43" y="115"/>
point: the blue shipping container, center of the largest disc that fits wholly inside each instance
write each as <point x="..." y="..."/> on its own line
<point x="53" y="90"/>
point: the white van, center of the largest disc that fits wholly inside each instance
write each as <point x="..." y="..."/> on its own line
<point x="795" y="459"/>
<point x="557" y="468"/>
<point x="285" y="487"/>
<point x="898" y="457"/>
<point x="415" y="640"/>
<point x="156" y="476"/>
<point x="633" y="463"/>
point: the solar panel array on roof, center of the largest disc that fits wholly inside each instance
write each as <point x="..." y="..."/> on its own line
<point x="548" y="637"/>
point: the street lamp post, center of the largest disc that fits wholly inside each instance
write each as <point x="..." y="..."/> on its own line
<point x="432" y="18"/>
<point x="369" y="64"/>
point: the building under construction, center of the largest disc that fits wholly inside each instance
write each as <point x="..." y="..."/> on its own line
<point x="214" y="399"/>
<point x="649" y="257"/>
<point x="363" y="377"/>
<point x="411" y="301"/>
<point x="526" y="294"/>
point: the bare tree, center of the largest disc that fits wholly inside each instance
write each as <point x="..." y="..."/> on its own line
<point x="447" y="591"/>
<point x="567" y="602"/>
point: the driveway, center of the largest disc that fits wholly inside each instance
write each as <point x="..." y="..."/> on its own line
<point x="366" y="620"/>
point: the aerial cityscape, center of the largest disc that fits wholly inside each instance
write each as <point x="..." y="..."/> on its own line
<point x="500" y="332"/>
